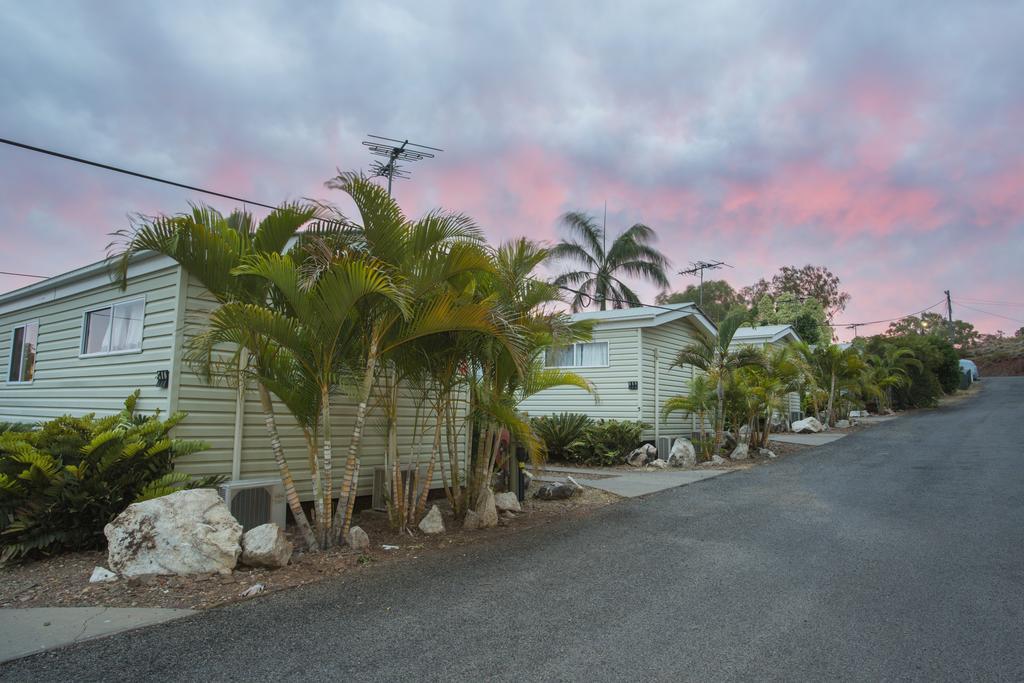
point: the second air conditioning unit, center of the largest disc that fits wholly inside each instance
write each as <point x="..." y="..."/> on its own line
<point x="255" y="501"/>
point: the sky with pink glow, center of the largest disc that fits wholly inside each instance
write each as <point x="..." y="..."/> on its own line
<point x="884" y="140"/>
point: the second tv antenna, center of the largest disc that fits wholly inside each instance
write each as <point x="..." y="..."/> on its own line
<point x="394" y="151"/>
<point x="698" y="267"/>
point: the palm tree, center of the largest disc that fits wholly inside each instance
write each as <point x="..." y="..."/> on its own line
<point x="598" y="277"/>
<point x="208" y="246"/>
<point x="836" y="365"/>
<point x="888" y="371"/>
<point x="713" y="356"/>
<point x="700" y="399"/>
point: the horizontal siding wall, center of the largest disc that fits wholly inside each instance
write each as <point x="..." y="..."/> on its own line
<point x="613" y="400"/>
<point x="668" y="340"/>
<point x="211" y="418"/>
<point x="64" y="383"/>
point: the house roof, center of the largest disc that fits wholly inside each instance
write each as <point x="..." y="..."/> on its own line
<point x="649" y="316"/>
<point x="765" y="334"/>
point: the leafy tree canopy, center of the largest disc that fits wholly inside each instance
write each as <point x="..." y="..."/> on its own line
<point x="964" y="334"/>
<point x="807" y="316"/>
<point x="816" y="282"/>
<point x="720" y="299"/>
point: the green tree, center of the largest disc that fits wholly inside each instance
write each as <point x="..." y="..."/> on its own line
<point x="720" y="299"/>
<point x="713" y="356"/>
<point x="964" y="335"/>
<point x="807" y="316"/>
<point x="600" y="269"/>
<point x="808" y="282"/>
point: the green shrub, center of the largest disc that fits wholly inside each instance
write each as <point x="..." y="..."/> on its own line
<point x="559" y="432"/>
<point x="63" y="482"/>
<point x="606" y="442"/>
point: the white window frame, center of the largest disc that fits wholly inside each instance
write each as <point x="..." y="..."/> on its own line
<point x="570" y="367"/>
<point x="85" y="323"/>
<point x="10" y="355"/>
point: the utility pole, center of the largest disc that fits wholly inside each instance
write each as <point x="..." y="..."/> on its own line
<point x="395" y="151"/>
<point x="698" y="268"/>
<point x="949" y="316"/>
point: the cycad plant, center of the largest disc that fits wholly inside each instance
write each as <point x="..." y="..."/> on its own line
<point x="713" y="356"/>
<point x="62" y="483"/>
<point x="599" y="269"/>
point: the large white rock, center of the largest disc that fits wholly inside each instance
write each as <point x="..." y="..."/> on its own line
<point x="433" y="523"/>
<point x="487" y="511"/>
<point x="683" y="454"/>
<point x="266" y="546"/>
<point x="808" y="425"/>
<point x="659" y="464"/>
<point x="643" y="455"/>
<point x="358" y="540"/>
<point x="507" y="502"/>
<point x="741" y="452"/>
<point x="185" y="532"/>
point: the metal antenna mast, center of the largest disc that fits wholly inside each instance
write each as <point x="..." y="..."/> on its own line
<point x="394" y="151"/>
<point x="698" y="268"/>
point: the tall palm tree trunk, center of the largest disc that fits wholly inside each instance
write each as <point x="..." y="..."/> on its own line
<point x="291" y="494"/>
<point x="720" y="418"/>
<point x="327" y="475"/>
<point x="831" y="400"/>
<point x="347" y="497"/>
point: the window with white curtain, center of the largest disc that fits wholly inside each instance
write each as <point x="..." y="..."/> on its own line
<point x="582" y="355"/>
<point x="22" y="366"/>
<point x="114" y="329"/>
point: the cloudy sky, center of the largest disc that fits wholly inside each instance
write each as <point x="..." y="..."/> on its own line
<point x="884" y="140"/>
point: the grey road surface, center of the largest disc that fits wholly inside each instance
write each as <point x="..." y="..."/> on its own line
<point x="896" y="553"/>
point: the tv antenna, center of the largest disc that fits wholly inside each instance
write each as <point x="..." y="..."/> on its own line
<point x="394" y="151"/>
<point x="698" y="268"/>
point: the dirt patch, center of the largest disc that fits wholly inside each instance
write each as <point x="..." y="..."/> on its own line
<point x="63" y="581"/>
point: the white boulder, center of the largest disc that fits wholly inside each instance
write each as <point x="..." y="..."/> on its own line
<point x="358" y="540"/>
<point x="486" y="510"/>
<point x="718" y="460"/>
<point x="433" y="523"/>
<point x="683" y="454"/>
<point x="507" y="502"/>
<point x="659" y="464"/>
<point x="102" y="575"/>
<point x="766" y="453"/>
<point x="643" y="455"/>
<point x="471" y="521"/>
<point x="808" y="425"/>
<point x="741" y="452"/>
<point x="185" y="532"/>
<point x="842" y="424"/>
<point x="266" y="546"/>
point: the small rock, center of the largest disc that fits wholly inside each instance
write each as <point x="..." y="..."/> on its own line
<point x="252" y="590"/>
<point x="433" y="523"/>
<point x="741" y="452"/>
<point x="389" y="547"/>
<point x="766" y="453"/>
<point x="266" y="546"/>
<point x="556" y="491"/>
<point x="487" y="511"/>
<point x="572" y="482"/>
<point x="683" y="454"/>
<point x="358" y="539"/>
<point x="718" y="460"/>
<point x="659" y="464"/>
<point x="729" y="441"/>
<point x="842" y="424"/>
<point x="102" y="575"/>
<point x="471" y="521"/>
<point x="507" y="502"/>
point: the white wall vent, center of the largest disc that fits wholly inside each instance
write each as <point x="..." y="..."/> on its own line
<point x="255" y="501"/>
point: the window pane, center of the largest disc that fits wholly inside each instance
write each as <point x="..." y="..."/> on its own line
<point x="559" y="357"/>
<point x="97" y="331"/>
<point x="18" y="342"/>
<point x="28" y="352"/>
<point x="126" y="328"/>
<point x="594" y="353"/>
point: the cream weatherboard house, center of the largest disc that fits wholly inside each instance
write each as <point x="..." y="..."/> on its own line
<point x="77" y="343"/>
<point x="630" y="360"/>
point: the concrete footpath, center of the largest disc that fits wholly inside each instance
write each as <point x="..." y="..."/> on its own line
<point x="630" y="483"/>
<point x="28" y="631"/>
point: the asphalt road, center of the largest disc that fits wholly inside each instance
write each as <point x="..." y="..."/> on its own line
<point x="896" y="553"/>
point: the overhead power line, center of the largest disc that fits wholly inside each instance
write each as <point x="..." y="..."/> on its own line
<point x="136" y="174"/>
<point x="40" y="277"/>
<point x="997" y="315"/>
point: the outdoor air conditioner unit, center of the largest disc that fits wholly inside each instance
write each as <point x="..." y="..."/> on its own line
<point x="255" y="501"/>
<point x="664" y="446"/>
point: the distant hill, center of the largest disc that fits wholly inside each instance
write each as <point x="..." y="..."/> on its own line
<point x="997" y="356"/>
